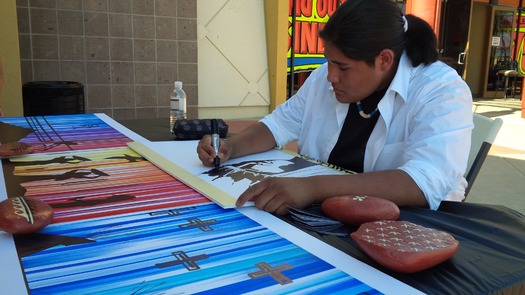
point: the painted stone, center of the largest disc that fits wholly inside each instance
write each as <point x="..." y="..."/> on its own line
<point x="403" y="246"/>
<point x="21" y="215"/>
<point x="355" y="210"/>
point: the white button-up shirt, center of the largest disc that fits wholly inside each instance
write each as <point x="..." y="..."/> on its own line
<point x="424" y="128"/>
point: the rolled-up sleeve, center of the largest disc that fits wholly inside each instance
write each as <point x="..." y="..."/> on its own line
<point x="438" y="144"/>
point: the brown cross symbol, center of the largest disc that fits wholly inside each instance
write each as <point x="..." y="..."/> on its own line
<point x="273" y="272"/>
<point x="184" y="259"/>
<point x="202" y="225"/>
<point x="171" y="212"/>
<point x="168" y="212"/>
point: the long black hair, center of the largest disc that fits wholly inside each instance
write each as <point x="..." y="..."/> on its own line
<point x="361" y="29"/>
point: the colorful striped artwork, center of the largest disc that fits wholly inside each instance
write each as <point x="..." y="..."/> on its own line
<point x="199" y="250"/>
<point x="61" y="133"/>
<point x="102" y="182"/>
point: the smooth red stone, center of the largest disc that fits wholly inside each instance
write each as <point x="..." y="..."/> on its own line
<point x="356" y="210"/>
<point x="23" y="215"/>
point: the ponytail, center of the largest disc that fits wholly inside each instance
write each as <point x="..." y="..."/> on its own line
<point x="420" y="41"/>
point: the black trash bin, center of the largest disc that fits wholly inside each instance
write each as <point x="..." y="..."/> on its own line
<point x="53" y="98"/>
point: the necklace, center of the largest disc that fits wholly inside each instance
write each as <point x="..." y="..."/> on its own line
<point x="362" y="113"/>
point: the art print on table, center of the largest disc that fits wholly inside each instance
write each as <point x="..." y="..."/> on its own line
<point x="203" y="249"/>
<point x="49" y="134"/>
<point x="88" y="184"/>
<point x="227" y="182"/>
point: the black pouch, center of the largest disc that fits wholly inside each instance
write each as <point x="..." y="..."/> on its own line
<point x="193" y="129"/>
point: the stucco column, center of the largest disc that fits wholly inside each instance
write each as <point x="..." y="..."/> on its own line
<point x="11" y="95"/>
<point x="276" y="20"/>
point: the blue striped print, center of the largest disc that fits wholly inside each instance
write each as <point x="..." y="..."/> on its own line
<point x="123" y="258"/>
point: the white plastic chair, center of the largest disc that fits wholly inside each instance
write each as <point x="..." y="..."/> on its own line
<point x="483" y="135"/>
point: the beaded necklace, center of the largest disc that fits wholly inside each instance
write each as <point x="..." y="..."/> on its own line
<point x="362" y="113"/>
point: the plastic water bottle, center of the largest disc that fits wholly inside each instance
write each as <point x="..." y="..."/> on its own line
<point x="177" y="104"/>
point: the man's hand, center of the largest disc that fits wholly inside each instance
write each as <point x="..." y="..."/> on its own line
<point x="276" y="194"/>
<point x="206" y="151"/>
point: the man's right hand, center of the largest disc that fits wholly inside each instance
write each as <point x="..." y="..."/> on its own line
<point x="206" y="151"/>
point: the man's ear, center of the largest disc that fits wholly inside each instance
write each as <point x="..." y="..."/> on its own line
<point x="385" y="59"/>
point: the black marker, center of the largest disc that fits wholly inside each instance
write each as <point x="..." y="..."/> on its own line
<point x="215" y="141"/>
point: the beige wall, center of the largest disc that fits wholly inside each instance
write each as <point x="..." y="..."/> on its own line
<point x="242" y="57"/>
<point x="11" y="96"/>
<point x="233" y="64"/>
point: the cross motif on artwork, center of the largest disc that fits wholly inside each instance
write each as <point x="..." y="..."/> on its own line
<point x="170" y="212"/>
<point x="273" y="272"/>
<point x="203" y="225"/>
<point x="183" y="258"/>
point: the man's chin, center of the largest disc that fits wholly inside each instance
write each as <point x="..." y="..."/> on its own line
<point x="343" y="99"/>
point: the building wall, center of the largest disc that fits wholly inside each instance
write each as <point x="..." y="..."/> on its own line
<point x="126" y="53"/>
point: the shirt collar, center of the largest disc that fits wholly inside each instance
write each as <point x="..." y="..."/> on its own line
<point x="402" y="78"/>
<point x="397" y="89"/>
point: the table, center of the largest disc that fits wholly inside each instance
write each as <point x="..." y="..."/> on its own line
<point x="490" y="259"/>
<point x="491" y="256"/>
<point x="157" y="129"/>
<point x="122" y="225"/>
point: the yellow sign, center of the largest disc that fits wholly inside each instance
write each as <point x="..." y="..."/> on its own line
<point x="305" y="19"/>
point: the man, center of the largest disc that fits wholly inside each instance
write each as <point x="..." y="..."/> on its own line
<point x="383" y="105"/>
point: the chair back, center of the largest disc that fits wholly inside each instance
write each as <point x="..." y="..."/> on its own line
<point x="483" y="136"/>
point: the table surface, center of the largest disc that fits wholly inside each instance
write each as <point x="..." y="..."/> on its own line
<point x="491" y="255"/>
<point x="158" y="129"/>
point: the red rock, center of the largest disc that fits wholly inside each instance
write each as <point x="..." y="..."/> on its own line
<point x="356" y="210"/>
<point x="23" y="215"/>
<point x="404" y="246"/>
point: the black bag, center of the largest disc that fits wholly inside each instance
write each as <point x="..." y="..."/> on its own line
<point x="193" y="129"/>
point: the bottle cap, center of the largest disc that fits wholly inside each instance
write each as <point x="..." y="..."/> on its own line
<point x="178" y="84"/>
